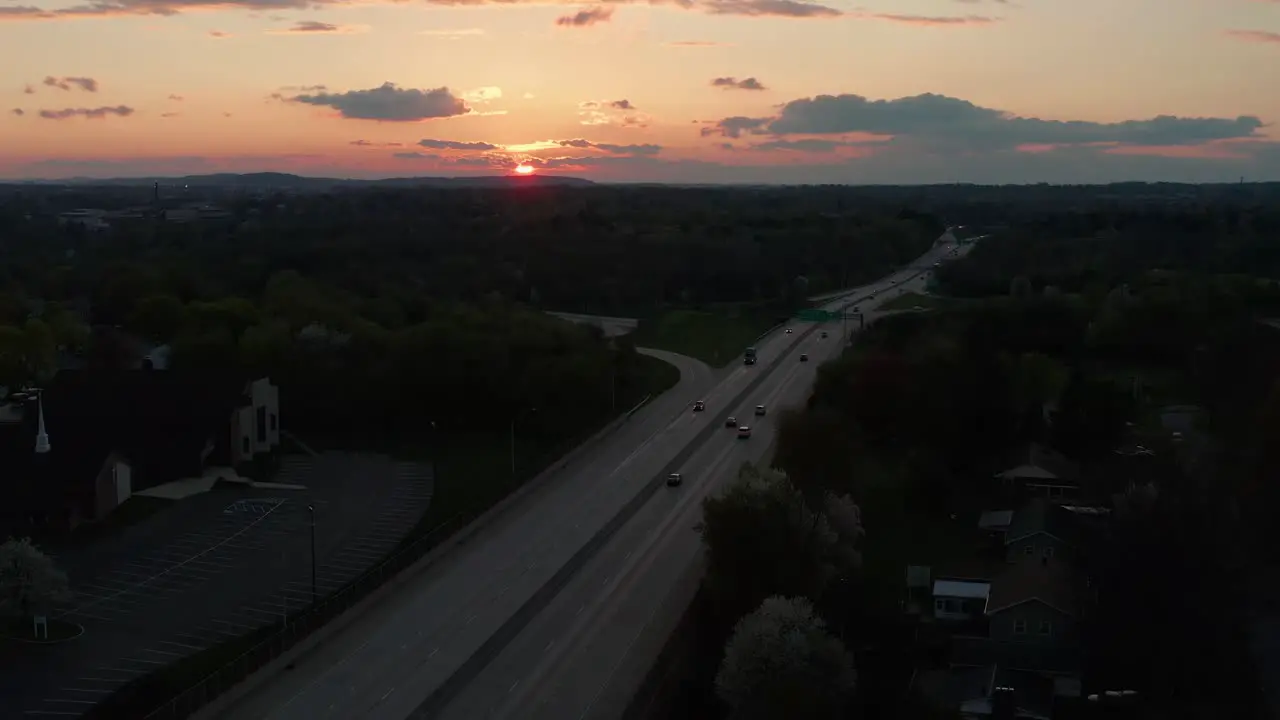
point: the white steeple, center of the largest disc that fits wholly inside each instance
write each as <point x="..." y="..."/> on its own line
<point x="42" y="437"/>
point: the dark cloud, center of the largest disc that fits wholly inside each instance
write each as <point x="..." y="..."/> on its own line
<point x="1256" y="36"/>
<point x="18" y="111"/>
<point x="588" y="16"/>
<point x="950" y="122"/>
<point x="68" y="83"/>
<point x="389" y="103"/>
<point x="97" y="113"/>
<point x="454" y="145"/>
<point x="313" y="27"/>
<point x="735" y="127"/>
<point x="176" y="98"/>
<point x="622" y="105"/>
<point x="104" y="8"/>
<point x="620" y="113"/>
<point x="219" y="35"/>
<point x="28" y="90"/>
<point x="811" y="145"/>
<point x="634" y="150"/>
<point x="169" y="115"/>
<point x="732" y="83"/>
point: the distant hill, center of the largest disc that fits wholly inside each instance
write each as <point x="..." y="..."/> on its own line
<point x="280" y="181"/>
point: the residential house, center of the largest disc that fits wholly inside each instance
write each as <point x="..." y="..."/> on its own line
<point x="1041" y="530"/>
<point x="1043" y="472"/>
<point x="81" y="446"/>
<point x="960" y="599"/>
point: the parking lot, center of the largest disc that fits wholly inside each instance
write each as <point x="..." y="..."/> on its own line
<point x="213" y="567"/>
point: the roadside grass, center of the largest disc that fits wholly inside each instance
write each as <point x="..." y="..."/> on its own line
<point x="716" y="337"/>
<point x="473" y="474"/>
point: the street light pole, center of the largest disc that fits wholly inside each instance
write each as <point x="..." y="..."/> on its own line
<point x="312" y="510"/>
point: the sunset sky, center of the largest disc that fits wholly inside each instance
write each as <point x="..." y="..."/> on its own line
<point x="891" y="91"/>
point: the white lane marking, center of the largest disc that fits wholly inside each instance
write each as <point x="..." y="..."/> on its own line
<point x="513" y="687"/>
<point x="433" y="653"/>
<point x="387" y="695"/>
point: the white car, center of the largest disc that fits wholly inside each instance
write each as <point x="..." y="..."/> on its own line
<point x="744" y="432"/>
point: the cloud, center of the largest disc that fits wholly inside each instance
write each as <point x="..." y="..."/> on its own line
<point x="176" y="98"/>
<point x="313" y="27"/>
<point x="634" y="150"/>
<point x="483" y="161"/>
<point x="107" y="8"/>
<point x="169" y="115"/>
<point x="455" y="145"/>
<point x="697" y="44"/>
<point x="366" y="143"/>
<point x="68" y="83"/>
<point x="586" y="17"/>
<point x="97" y="113"/>
<point x="735" y="127"/>
<point x="731" y="83"/>
<point x="621" y="113"/>
<point x="809" y="145"/>
<point x="388" y="103"/>
<point x="219" y="35"/>
<point x="28" y="90"/>
<point x="949" y="123"/>
<point x="18" y="111"/>
<point x="484" y="94"/>
<point x="1255" y="36"/>
<point x="932" y="21"/>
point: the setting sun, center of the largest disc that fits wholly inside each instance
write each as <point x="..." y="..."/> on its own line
<point x="524" y="169"/>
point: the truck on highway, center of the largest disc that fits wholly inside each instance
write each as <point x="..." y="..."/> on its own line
<point x="749" y="357"/>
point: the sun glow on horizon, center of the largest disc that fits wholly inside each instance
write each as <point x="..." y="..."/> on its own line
<point x="523" y="169"/>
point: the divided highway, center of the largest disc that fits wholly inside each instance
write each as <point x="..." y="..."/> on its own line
<point x="471" y="634"/>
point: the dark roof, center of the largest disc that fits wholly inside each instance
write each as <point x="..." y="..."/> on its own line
<point x="1033" y="580"/>
<point x="1047" y="460"/>
<point x="1041" y="515"/>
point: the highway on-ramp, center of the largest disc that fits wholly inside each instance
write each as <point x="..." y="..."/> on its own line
<point x="427" y="646"/>
<point x="586" y="653"/>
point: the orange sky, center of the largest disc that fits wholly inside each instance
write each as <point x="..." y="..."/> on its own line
<point x="903" y="91"/>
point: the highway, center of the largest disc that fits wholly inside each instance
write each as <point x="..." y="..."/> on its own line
<point x="450" y="633"/>
<point x="585" y="655"/>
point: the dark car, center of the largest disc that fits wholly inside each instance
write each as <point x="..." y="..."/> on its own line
<point x="804" y="357"/>
<point x="824" y="334"/>
<point x="731" y="421"/>
<point x="788" y="331"/>
<point x="744" y="432"/>
<point x="674" y="479"/>
<point x="759" y="410"/>
<point x="699" y="406"/>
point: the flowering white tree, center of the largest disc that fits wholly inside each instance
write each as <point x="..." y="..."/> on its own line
<point x="29" y="581"/>
<point x="781" y="663"/>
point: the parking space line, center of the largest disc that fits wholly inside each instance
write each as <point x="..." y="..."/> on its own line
<point x="170" y="653"/>
<point x="50" y="712"/>
<point x="87" y="690"/>
<point x="181" y="645"/>
<point x="180" y="565"/>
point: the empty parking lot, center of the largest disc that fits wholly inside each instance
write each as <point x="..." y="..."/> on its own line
<point x="213" y="567"/>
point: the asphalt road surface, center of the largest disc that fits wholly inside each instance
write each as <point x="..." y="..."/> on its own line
<point x="586" y="654"/>
<point x="386" y="664"/>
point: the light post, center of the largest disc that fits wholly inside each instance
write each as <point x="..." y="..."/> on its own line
<point x="513" y="438"/>
<point x="312" y="510"/>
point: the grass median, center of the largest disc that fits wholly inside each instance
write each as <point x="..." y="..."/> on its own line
<point x="716" y="337"/>
<point x="473" y="473"/>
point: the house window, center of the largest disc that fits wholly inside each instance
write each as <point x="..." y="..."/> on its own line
<point x="1020" y="627"/>
<point x="1029" y="550"/>
<point x="262" y="424"/>
<point x="244" y="442"/>
<point x="1046" y="627"/>
<point x="1048" y="553"/>
<point x="939" y="605"/>
<point x="273" y="422"/>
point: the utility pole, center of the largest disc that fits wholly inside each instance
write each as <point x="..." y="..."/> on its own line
<point x="312" y="510"/>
